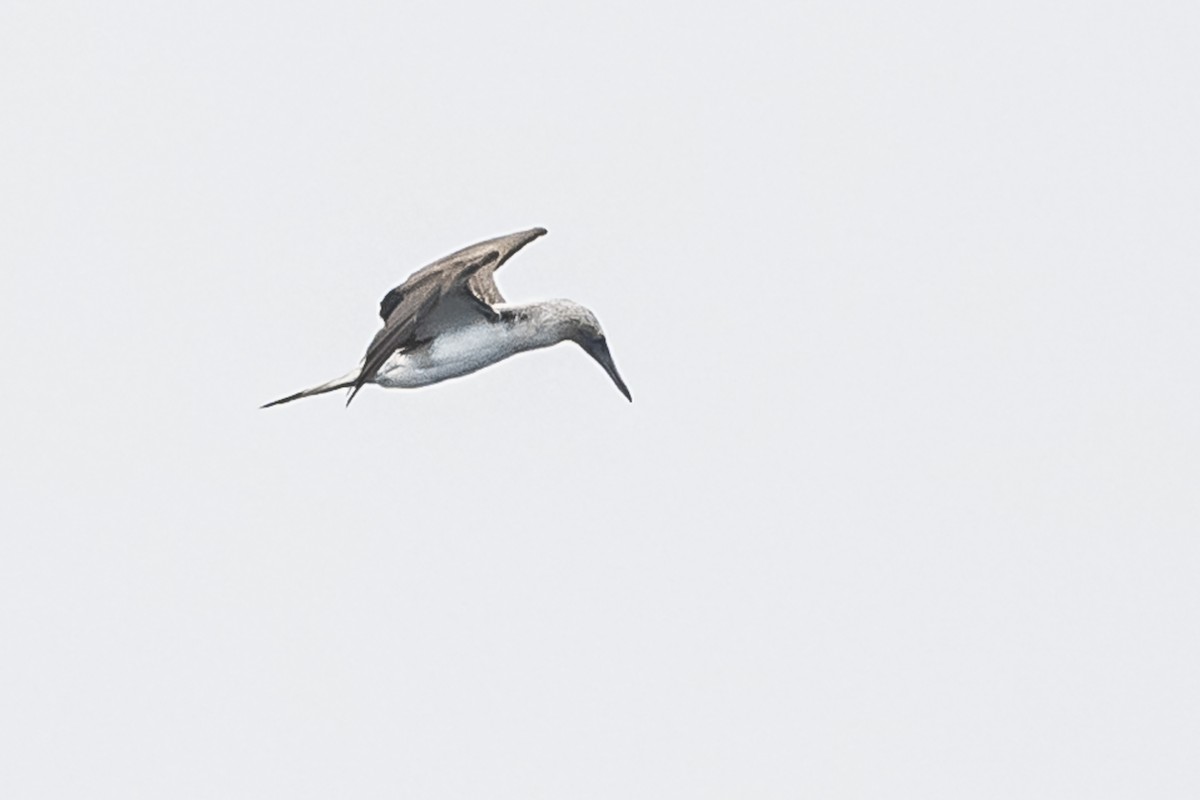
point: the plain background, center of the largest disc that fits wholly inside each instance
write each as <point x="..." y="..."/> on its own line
<point x="906" y="505"/>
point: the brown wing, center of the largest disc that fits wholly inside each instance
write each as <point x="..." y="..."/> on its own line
<point x="482" y="284"/>
<point x="465" y="273"/>
<point x="411" y="303"/>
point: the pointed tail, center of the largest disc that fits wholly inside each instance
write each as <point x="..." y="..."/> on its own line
<point x="343" y="382"/>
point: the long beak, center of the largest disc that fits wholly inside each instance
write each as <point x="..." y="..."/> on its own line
<point x="599" y="351"/>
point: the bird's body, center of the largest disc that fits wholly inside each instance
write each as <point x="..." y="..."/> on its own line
<point x="472" y="345"/>
<point x="449" y="319"/>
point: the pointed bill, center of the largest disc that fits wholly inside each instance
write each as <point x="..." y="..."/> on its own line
<point x="598" y="349"/>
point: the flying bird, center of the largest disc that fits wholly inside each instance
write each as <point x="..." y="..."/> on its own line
<point x="449" y="319"/>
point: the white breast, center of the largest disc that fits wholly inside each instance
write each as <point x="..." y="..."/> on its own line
<point x="459" y="351"/>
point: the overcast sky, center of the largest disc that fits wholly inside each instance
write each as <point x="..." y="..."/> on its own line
<point x="907" y="504"/>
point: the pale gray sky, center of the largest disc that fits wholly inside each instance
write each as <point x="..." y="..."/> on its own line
<point x="906" y="506"/>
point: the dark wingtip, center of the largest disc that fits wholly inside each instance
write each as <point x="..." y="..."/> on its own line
<point x="525" y="237"/>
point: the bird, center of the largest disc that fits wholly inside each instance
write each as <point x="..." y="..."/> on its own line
<point x="448" y="319"/>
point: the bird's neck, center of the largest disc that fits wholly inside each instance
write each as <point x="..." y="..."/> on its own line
<point x="539" y="324"/>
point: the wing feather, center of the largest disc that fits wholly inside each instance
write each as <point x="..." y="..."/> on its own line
<point x="467" y="271"/>
<point x="416" y="302"/>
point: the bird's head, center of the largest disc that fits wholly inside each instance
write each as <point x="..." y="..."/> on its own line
<point x="586" y="332"/>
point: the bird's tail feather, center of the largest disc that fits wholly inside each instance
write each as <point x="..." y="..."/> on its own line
<point x="343" y="382"/>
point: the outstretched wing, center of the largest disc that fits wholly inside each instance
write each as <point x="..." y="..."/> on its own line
<point x="410" y="311"/>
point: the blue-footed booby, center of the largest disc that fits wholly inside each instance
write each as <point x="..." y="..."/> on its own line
<point x="449" y="319"/>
